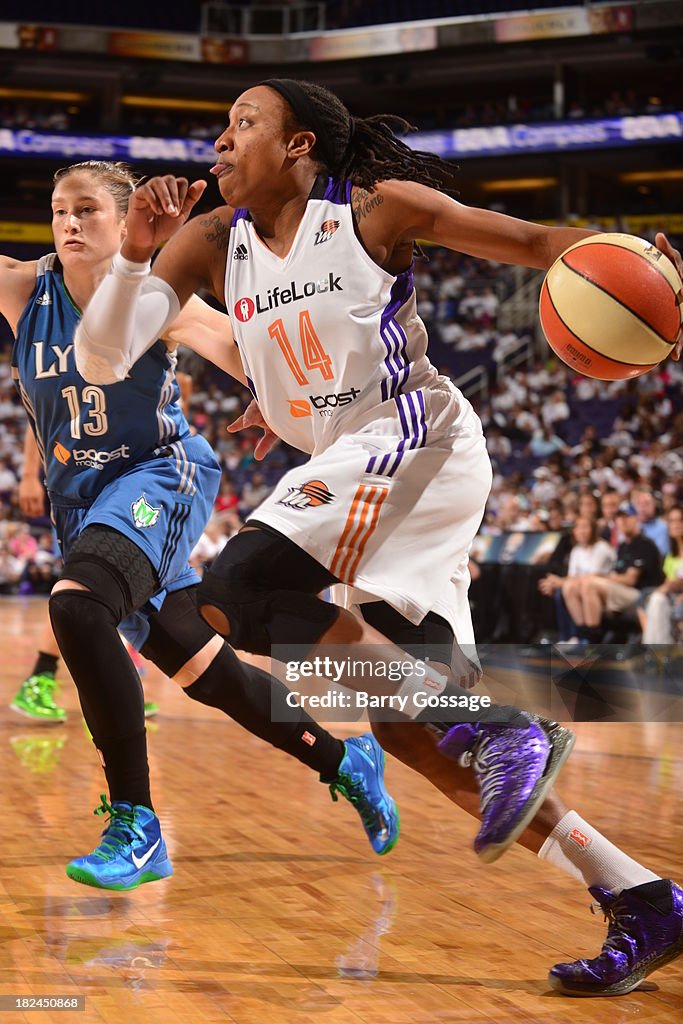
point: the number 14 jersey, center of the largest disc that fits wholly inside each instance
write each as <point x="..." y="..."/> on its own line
<point x="326" y="336"/>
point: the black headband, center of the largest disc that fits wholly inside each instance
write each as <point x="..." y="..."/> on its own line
<point x="306" y="113"/>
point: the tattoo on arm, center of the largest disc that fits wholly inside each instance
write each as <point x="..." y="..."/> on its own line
<point x="216" y="231"/>
<point x="364" y="202"/>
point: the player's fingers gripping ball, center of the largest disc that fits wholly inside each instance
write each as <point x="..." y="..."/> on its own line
<point x="610" y="306"/>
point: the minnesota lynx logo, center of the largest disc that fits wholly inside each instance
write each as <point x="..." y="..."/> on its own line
<point x="144" y="515"/>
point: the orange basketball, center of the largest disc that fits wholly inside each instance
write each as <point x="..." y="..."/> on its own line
<point x="610" y="306"/>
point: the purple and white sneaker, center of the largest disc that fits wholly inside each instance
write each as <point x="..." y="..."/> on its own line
<point x="645" y="932"/>
<point x="515" y="767"/>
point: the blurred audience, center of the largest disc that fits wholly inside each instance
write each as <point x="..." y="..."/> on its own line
<point x="636" y="572"/>
<point x="589" y="557"/>
<point x="662" y="614"/>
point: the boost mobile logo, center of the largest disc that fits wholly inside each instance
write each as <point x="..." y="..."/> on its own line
<point x="89" y="457"/>
<point x="333" y="401"/>
<point x="275" y="297"/>
<point x="93" y="459"/>
<point x="324" y="404"/>
<point x="300" y="407"/>
<point x="61" y="453"/>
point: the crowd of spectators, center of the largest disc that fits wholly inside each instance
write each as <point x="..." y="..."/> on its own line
<point x="516" y="109"/>
<point x="480" y="112"/>
<point x="602" y="465"/>
<point x="472" y="112"/>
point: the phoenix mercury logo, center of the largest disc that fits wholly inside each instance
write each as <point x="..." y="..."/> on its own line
<point x="310" y="495"/>
<point x="327" y="229"/>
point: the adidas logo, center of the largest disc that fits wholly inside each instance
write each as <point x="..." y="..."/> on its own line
<point x="240" y="253"/>
<point x="44" y="300"/>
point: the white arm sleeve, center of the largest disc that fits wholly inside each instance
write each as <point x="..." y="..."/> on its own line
<point x="129" y="310"/>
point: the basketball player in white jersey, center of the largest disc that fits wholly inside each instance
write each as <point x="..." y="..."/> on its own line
<point x="313" y="257"/>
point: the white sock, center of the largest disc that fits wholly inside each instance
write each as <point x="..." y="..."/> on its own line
<point x="425" y="683"/>
<point x="580" y="850"/>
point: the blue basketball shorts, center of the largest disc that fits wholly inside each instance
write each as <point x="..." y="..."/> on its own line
<point x="162" y="505"/>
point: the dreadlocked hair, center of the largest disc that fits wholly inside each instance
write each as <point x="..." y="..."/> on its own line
<point x="365" y="150"/>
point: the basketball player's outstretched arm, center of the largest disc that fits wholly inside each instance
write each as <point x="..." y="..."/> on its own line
<point x="401" y="211"/>
<point x="397" y="213"/>
<point x="130" y="308"/>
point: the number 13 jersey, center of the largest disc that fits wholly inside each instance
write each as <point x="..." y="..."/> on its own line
<point x="326" y="336"/>
<point x="88" y="435"/>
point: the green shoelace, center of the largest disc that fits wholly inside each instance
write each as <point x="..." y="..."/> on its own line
<point x="120" y="832"/>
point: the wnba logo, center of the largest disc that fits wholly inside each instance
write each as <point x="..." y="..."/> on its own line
<point x="244" y="309"/>
<point x="310" y="495"/>
<point x="580" y="838"/>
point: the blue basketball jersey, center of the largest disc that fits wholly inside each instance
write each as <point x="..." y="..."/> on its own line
<point x="120" y="455"/>
<point x="88" y="434"/>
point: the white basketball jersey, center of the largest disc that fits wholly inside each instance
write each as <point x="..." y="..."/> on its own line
<point x="326" y="336"/>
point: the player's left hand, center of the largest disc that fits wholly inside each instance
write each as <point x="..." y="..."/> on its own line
<point x="156" y="210"/>
<point x="665" y="246"/>
<point x="31" y="497"/>
<point x="253" y="417"/>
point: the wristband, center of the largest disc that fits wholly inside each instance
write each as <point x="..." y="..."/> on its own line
<point x="129" y="268"/>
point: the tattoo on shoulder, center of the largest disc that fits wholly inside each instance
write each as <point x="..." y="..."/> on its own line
<point x="216" y="231"/>
<point x="364" y="202"/>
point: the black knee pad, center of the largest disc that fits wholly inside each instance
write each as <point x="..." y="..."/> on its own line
<point x="176" y="632"/>
<point x="77" y="612"/>
<point x="266" y="587"/>
<point x="113" y="566"/>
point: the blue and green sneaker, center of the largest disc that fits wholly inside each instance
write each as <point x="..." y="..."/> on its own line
<point x="360" y="779"/>
<point x="132" y="850"/>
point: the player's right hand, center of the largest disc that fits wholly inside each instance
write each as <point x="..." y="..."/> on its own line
<point x="31" y="497"/>
<point x="156" y="210"/>
<point x="253" y="417"/>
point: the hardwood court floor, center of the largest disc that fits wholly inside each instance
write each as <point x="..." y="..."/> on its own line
<point x="278" y="912"/>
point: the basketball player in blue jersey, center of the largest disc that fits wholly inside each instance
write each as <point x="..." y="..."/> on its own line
<point x="313" y="255"/>
<point x="130" y="491"/>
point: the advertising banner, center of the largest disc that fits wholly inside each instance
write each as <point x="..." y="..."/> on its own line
<point x="492" y="140"/>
